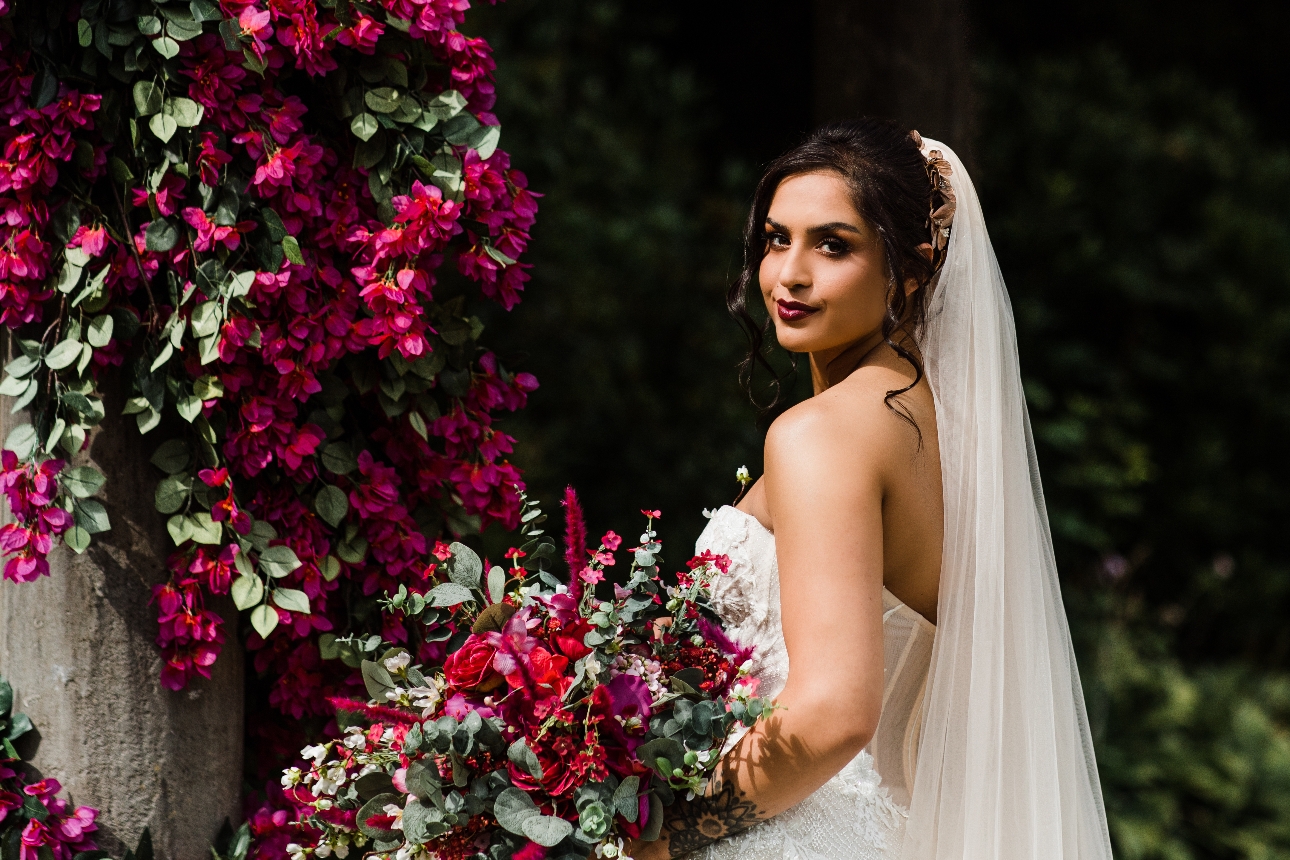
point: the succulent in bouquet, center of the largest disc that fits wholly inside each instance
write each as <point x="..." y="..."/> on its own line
<point x="527" y="716"/>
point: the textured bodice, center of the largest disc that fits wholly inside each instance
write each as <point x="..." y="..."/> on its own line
<point x="858" y="814"/>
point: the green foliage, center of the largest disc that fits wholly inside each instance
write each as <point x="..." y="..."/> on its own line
<point x="1141" y="225"/>
<point x="625" y="323"/>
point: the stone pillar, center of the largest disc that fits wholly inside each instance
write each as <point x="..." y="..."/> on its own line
<point x="908" y="61"/>
<point x="79" y="649"/>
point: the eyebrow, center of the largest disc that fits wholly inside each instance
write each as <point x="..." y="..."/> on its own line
<point x="831" y="227"/>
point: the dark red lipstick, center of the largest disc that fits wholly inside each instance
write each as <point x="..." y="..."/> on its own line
<point x="793" y="311"/>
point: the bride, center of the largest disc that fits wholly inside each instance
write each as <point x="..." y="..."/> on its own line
<point x="896" y="552"/>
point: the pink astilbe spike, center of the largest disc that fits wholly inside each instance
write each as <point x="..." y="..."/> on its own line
<point x="575" y="540"/>
<point x="376" y="713"/>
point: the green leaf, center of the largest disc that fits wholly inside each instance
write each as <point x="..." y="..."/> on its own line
<point x="208" y="388"/>
<point x="208" y="348"/>
<point x="331" y="504"/>
<point x="22" y="365"/>
<point x="172" y="493"/>
<point x="83" y="481"/>
<point x="166" y="46"/>
<point x="180" y="528"/>
<point x="64" y="354"/>
<point x="546" y="830"/>
<point x="338" y="459"/>
<point x="383" y="99"/>
<point x="172" y="456"/>
<point x="206" y="530"/>
<point x="466" y="567"/>
<point x="292" y="600"/>
<point x="204" y="10"/>
<point x="273" y="223"/>
<point x="418" y="424"/>
<point x="182" y="31"/>
<point x="161" y="234"/>
<point x="374" y="807"/>
<point x="247" y="591"/>
<point x="84" y="33"/>
<point x="148" y="25"/>
<point x="186" y="112"/>
<point x="147" y="97"/>
<point x="264" y="618"/>
<point x="278" y="561"/>
<point x="524" y="758"/>
<point x="377" y="679"/>
<point x="625" y="798"/>
<point x="55" y="434"/>
<point x="513" y="807"/>
<point x="100" y="331"/>
<point x="19" y="725"/>
<point x="291" y="248"/>
<point x="484" y="140"/>
<point x="450" y="594"/>
<point x="77" y="539"/>
<point x="91" y="516"/>
<point x="496" y="584"/>
<point x="163" y="125"/>
<point x="147" y="420"/>
<point x="364" y="126"/>
<point x="189" y="408"/>
<point x="331" y="568"/>
<point x="241" y="284"/>
<point x="206" y="319"/>
<point x="13" y="386"/>
<point x="22" y="440"/>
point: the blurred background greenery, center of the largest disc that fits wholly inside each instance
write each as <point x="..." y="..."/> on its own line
<point x="1132" y="159"/>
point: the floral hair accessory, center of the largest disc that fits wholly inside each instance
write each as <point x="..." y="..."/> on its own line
<point x="941" y="214"/>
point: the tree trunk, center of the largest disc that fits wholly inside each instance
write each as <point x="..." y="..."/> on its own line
<point x="78" y="648"/>
<point x="907" y="61"/>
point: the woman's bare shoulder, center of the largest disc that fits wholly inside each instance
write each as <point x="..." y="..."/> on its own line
<point x="851" y="421"/>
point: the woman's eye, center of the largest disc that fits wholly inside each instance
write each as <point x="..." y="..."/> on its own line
<point x="777" y="240"/>
<point x="834" y="247"/>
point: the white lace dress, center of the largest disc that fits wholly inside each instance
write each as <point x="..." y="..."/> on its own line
<point x="860" y="813"/>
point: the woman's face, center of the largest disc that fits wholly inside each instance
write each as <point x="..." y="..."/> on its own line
<point x="824" y="277"/>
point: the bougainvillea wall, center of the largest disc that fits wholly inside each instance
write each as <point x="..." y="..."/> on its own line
<point x="271" y="219"/>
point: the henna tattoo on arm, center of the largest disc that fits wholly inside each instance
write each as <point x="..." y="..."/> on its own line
<point x="724" y="811"/>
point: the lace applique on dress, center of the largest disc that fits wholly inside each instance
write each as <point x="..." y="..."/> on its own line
<point x="853" y="815"/>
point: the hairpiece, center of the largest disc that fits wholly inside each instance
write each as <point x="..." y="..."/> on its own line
<point x="940" y="216"/>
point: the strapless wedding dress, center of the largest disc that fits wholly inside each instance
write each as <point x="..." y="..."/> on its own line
<point x="860" y="813"/>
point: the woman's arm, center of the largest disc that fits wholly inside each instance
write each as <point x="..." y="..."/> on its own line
<point x="824" y="493"/>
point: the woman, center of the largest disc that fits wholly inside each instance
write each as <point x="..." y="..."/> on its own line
<point x="896" y="550"/>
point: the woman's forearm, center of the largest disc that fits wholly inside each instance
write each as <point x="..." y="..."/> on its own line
<point x="778" y="763"/>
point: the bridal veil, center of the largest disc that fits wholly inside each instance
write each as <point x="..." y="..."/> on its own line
<point x="1005" y="761"/>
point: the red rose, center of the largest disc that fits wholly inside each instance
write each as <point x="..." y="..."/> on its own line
<point x="568" y="639"/>
<point x="470" y="667"/>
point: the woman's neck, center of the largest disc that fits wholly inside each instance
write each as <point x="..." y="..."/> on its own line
<point x="831" y="366"/>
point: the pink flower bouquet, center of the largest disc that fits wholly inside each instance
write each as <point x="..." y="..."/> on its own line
<point x="541" y="718"/>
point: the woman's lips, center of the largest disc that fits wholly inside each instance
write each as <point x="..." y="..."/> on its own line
<point x="793" y="311"/>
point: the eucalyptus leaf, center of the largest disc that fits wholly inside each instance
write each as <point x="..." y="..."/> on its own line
<point x="450" y="594"/>
<point x="546" y="830"/>
<point x="147" y="96"/>
<point x="100" y="331"/>
<point x="161" y="235"/>
<point x="186" y="112"/>
<point x="466" y="566"/>
<point x="524" y="758"/>
<point x="64" y="354"/>
<point x="513" y="807"/>
<point x="364" y="126"/>
<point x="163" y="125"/>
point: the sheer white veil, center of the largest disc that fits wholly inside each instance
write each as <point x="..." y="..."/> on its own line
<point x="1005" y="762"/>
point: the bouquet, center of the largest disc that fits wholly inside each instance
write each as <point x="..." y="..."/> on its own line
<point x="528" y="717"/>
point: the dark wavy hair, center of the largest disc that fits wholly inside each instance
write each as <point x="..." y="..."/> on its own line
<point x="892" y="191"/>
